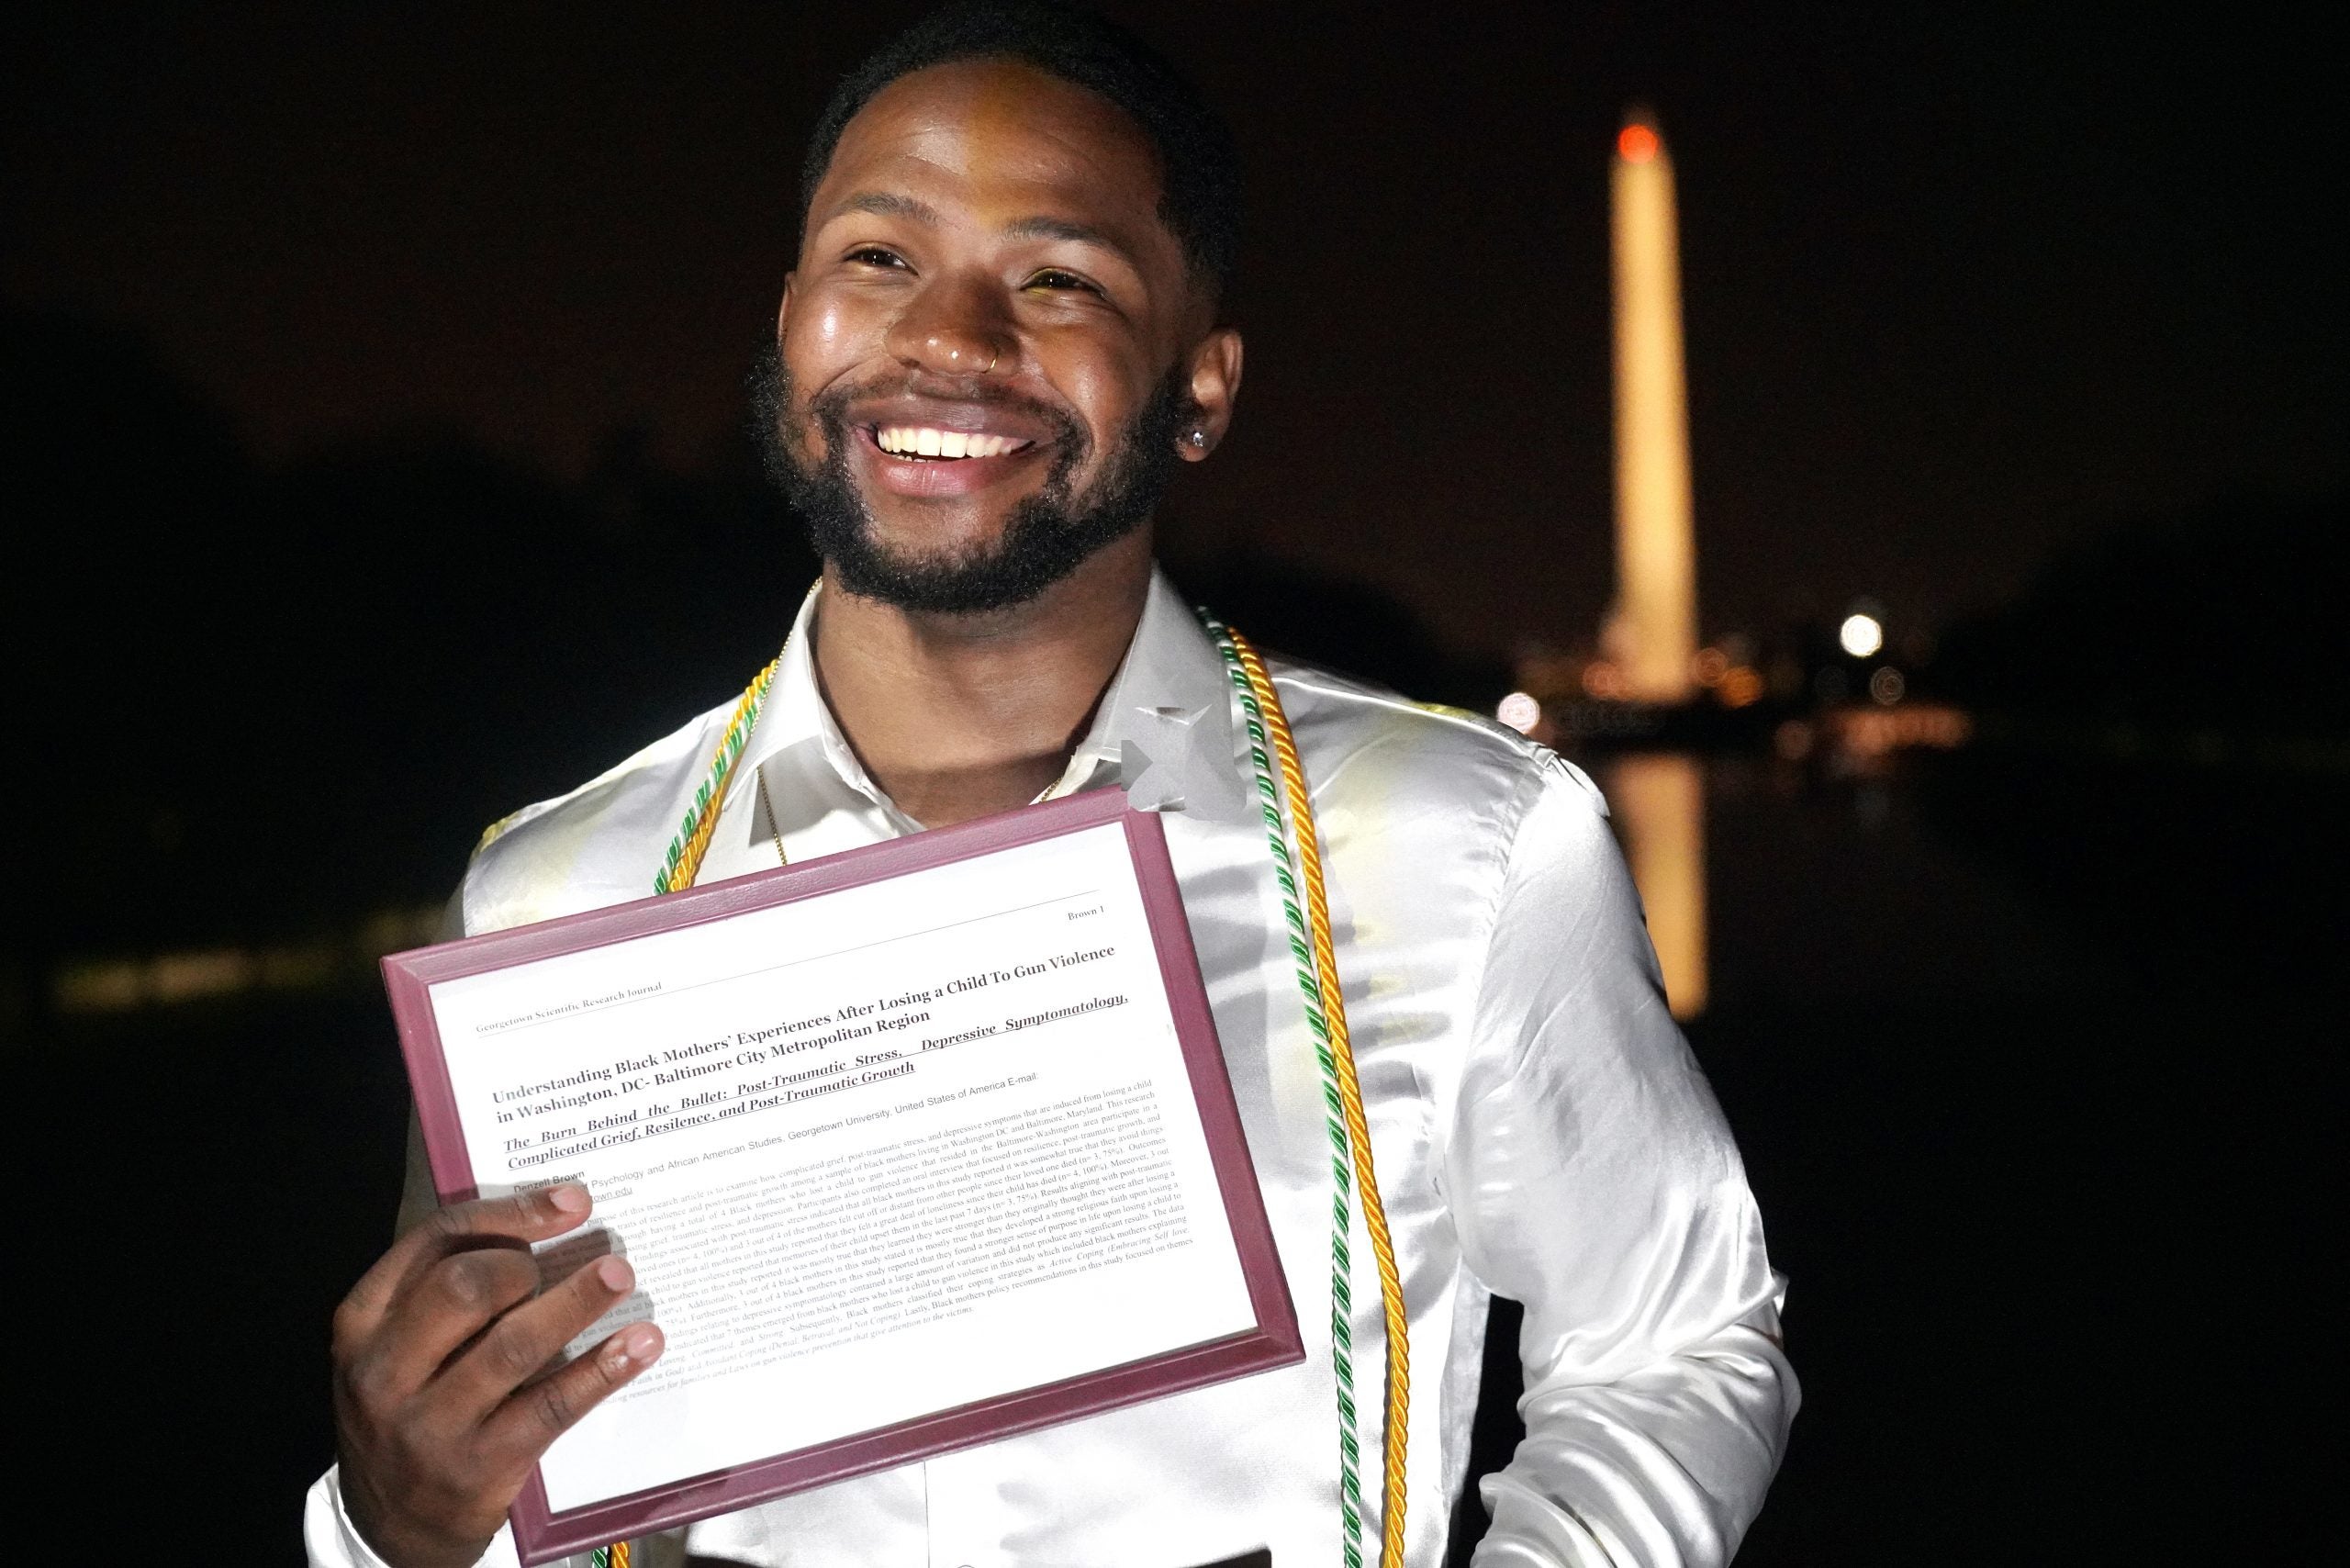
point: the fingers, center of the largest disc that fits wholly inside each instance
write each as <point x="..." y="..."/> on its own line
<point x="541" y="1412"/>
<point x="527" y="1216"/>
<point x="447" y="1305"/>
<point x="520" y="1344"/>
<point x="439" y="1411"/>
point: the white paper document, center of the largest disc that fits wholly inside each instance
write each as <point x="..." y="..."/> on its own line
<point x="880" y="1152"/>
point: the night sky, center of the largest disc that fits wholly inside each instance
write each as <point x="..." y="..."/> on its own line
<point x="1959" y="288"/>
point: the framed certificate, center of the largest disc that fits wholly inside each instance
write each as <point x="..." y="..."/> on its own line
<point x="911" y="1149"/>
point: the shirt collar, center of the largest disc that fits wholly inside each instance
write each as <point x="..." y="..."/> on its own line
<point x="1163" y="728"/>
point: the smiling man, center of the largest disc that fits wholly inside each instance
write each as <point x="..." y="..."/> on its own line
<point x="1000" y="341"/>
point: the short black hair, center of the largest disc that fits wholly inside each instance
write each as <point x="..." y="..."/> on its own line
<point x="1199" y="167"/>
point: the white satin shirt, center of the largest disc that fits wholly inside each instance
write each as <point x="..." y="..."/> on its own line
<point x="1540" y="1127"/>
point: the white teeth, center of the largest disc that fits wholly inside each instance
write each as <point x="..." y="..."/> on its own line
<point x="924" y="441"/>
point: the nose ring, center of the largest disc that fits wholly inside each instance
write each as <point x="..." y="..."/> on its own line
<point x="992" y="357"/>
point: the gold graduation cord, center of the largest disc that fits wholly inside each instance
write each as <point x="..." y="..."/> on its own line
<point x="1395" y="1431"/>
<point x="682" y="864"/>
<point x="1334" y="1013"/>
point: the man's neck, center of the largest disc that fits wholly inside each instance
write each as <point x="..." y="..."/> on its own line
<point x="958" y="716"/>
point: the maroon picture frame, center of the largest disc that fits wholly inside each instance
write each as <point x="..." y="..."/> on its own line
<point x="541" y="1534"/>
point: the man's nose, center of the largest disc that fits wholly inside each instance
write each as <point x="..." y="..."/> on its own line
<point x="955" y="328"/>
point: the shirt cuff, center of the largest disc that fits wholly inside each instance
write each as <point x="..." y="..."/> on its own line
<point x="332" y="1541"/>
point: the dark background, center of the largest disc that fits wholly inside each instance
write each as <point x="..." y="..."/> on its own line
<point x="374" y="465"/>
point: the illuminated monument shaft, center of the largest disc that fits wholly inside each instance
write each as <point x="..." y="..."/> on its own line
<point x="1656" y="552"/>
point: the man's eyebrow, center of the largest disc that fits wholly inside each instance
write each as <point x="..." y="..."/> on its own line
<point x="887" y="204"/>
<point x="890" y="204"/>
<point x="1061" y="228"/>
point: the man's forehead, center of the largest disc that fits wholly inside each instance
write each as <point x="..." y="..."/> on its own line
<point x="1002" y="134"/>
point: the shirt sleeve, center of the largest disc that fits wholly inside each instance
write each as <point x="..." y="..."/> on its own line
<point x="1592" y="1178"/>
<point x="331" y="1540"/>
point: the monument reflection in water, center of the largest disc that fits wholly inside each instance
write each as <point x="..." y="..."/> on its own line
<point x="1658" y="800"/>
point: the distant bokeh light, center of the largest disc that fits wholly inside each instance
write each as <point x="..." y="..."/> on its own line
<point x="1636" y="144"/>
<point x="1520" y="711"/>
<point x="1861" y="636"/>
<point x="1887" y="685"/>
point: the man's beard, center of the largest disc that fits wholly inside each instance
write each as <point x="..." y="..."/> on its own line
<point x="1048" y="535"/>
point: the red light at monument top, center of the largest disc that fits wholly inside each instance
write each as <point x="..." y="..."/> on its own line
<point x="1635" y="144"/>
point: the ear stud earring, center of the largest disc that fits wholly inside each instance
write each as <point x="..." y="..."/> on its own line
<point x="1199" y="438"/>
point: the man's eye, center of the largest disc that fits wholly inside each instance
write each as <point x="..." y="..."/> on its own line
<point x="874" y="256"/>
<point x="1053" y="277"/>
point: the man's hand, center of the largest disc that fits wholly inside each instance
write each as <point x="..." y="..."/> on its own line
<point x="439" y="1407"/>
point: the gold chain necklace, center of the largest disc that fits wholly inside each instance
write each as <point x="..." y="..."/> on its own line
<point x="774" y="826"/>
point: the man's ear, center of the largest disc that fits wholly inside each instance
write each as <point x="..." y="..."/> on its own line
<point x="1215" y="387"/>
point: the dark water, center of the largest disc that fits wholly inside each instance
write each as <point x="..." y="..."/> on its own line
<point x="2029" y="1065"/>
<point x="2033" y="1071"/>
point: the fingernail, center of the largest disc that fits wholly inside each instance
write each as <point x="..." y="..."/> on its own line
<point x="614" y="1273"/>
<point x="640" y="1343"/>
<point x="569" y="1198"/>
